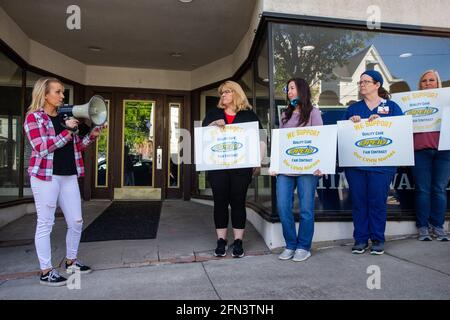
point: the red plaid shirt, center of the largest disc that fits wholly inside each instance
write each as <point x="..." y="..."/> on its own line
<point x="41" y="134"/>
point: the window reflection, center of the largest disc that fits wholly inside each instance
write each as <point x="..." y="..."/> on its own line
<point x="174" y="150"/>
<point x="10" y="128"/>
<point x="102" y="156"/>
<point x="332" y="60"/>
<point x="138" y="143"/>
<point x="209" y="99"/>
<point x="262" y="107"/>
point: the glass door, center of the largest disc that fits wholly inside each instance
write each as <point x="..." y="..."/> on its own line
<point x="138" y="143"/>
<point x="138" y="157"/>
<point x="101" y="173"/>
<point x="173" y="148"/>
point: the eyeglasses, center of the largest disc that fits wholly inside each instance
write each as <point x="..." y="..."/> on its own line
<point x="286" y="89"/>
<point x="226" y="92"/>
<point x="364" y="82"/>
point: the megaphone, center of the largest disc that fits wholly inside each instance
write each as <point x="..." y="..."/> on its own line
<point x="95" y="110"/>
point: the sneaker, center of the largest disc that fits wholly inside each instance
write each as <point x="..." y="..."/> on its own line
<point x="238" y="251"/>
<point x="359" y="248"/>
<point x="301" y="255"/>
<point x="286" y="254"/>
<point x="424" y="234"/>
<point x="221" y="250"/>
<point x="377" y="247"/>
<point x="440" y="234"/>
<point x="52" y="279"/>
<point x="77" y="266"/>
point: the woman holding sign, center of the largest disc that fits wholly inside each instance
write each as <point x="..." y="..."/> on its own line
<point x="369" y="186"/>
<point x="431" y="174"/>
<point x="229" y="187"/>
<point x="299" y="113"/>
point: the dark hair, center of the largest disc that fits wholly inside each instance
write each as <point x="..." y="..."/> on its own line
<point x="383" y="93"/>
<point x="304" y="95"/>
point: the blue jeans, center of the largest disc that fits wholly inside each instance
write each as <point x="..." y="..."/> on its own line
<point x="431" y="174"/>
<point x="306" y="188"/>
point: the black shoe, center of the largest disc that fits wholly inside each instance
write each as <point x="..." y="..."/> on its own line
<point x="53" y="279"/>
<point x="77" y="266"/>
<point x="238" y="251"/>
<point x="359" y="248"/>
<point x="221" y="250"/>
<point x="377" y="247"/>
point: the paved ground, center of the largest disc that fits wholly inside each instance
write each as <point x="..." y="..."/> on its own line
<point x="179" y="265"/>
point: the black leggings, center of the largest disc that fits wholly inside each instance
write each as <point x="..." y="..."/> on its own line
<point x="229" y="187"/>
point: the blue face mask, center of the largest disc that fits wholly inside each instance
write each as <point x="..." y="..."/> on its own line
<point x="294" y="102"/>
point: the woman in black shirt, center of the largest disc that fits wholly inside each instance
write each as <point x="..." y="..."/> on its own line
<point x="229" y="187"/>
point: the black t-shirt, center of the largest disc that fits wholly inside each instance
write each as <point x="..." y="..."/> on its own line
<point x="63" y="158"/>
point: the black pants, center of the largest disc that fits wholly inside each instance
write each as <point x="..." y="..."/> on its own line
<point x="229" y="187"/>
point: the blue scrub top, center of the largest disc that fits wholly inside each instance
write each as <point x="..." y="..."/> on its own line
<point x="386" y="108"/>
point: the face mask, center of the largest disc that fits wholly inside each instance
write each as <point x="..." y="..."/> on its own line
<point x="294" y="102"/>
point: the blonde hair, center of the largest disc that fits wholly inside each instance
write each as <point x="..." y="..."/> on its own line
<point x="240" y="101"/>
<point x="436" y="74"/>
<point x="41" y="88"/>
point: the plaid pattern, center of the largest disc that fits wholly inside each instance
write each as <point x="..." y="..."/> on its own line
<point x="41" y="134"/>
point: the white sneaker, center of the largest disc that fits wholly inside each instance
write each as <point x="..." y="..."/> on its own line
<point x="286" y="254"/>
<point x="440" y="234"/>
<point x="301" y="255"/>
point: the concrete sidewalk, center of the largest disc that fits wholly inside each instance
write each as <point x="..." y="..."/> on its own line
<point x="179" y="265"/>
<point x="186" y="234"/>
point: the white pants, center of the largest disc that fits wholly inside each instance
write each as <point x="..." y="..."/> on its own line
<point x="62" y="191"/>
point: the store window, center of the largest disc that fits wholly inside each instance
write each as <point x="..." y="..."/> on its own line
<point x="10" y="128"/>
<point x="331" y="60"/>
<point x="209" y="99"/>
<point x="246" y="82"/>
<point x="262" y="108"/>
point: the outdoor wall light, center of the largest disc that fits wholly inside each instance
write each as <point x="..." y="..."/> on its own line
<point x="175" y="54"/>
<point x="185" y="1"/>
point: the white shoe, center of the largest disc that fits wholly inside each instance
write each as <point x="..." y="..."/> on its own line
<point x="286" y="254"/>
<point x="301" y="255"/>
<point x="440" y="234"/>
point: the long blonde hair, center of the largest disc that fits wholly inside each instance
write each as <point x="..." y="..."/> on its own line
<point x="436" y="74"/>
<point x="240" y="101"/>
<point x="41" y="88"/>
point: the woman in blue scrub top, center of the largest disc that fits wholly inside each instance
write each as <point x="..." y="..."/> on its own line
<point x="369" y="186"/>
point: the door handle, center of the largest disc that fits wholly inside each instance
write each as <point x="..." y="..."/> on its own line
<point x="159" y="158"/>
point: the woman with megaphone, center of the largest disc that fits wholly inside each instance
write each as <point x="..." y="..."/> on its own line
<point x="55" y="164"/>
